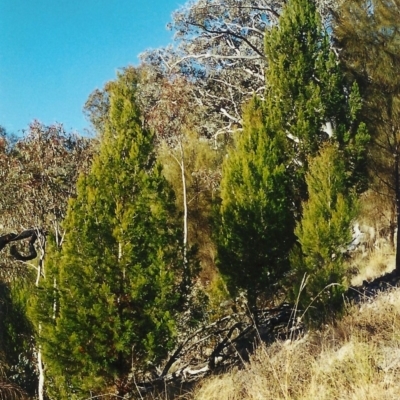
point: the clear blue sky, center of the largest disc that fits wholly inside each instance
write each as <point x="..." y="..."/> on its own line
<point x="54" y="53"/>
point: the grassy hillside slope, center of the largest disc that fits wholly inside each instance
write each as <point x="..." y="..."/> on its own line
<point x="355" y="358"/>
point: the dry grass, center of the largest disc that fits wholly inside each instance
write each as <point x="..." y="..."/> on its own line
<point x="358" y="358"/>
<point x="376" y="264"/>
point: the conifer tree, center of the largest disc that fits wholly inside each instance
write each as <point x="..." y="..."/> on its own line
<point x="323" y="233"/>
<point x="256" y="225"/>
<point x="309" y="101"/>
<point x="111" y="290"/>
<point x="306" y="96"/>
<point x="306" y="105"/>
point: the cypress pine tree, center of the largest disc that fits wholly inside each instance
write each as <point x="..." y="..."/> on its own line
<point x="255" y="232"/>
<point x="114" y="281"/>
<point x="306" y="105"/>
<point x="306" y="96"/>
<point x="309" y="101"/>
<point x="323" y="233"/>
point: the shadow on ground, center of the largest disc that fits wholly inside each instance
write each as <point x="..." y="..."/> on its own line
<point x="370" y="289"/>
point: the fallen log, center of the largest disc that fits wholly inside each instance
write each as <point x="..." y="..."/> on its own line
<point x="220" y="345"/>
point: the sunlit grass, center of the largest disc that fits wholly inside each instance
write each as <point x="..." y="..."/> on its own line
<point x="356" y="358"/>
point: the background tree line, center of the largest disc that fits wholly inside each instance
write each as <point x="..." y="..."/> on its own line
<point x="230" y="163"/>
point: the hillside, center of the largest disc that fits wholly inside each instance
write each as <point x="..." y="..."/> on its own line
<point x="357" y="357"/>
<point x="230" y="231"/>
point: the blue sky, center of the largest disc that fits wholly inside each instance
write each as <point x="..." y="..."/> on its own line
<point x="53" y="54"/>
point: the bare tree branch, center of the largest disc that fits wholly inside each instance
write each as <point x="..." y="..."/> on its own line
<point x="13" y="237"/>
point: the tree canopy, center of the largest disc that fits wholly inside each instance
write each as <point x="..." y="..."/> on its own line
<point x="242" y="151"/>
<point x="255" y="230"/>
<point x="117" y="274"/>
<point x="368" y="34"/>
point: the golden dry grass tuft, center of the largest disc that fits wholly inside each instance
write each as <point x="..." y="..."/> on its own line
<point x="357" y="358"/>
<point x="376" y="264"/>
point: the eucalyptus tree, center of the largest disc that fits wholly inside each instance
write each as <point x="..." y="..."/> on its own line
<point x="38" y="176"/>
<point x="220" y="46"/>
<point x="367" y="34"/>
<point x="174" y="122"/>
<point x="171" y="120"/>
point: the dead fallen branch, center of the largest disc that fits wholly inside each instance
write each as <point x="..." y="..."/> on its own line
<point x="32" y="234"/>
<point x="219" y="345"/>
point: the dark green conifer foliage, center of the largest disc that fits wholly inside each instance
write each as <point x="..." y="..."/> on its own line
<point x="323" y="233"/>
<point x="306" y="105"/>
<point x="16" y="333"/>
<point x="116" y="276"/>
<point x="306" y="94"/>
<point x="256" y="225"/>
<point x="303" y="79"/>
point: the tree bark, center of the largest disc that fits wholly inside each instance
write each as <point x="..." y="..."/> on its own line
<point x="397" y="190"/>
<point x="185" y="206"/>
<point x="40" y="273"/>
<point x="41" y="374"/>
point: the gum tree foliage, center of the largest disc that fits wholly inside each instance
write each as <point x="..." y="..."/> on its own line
<point x="96" y="109"/>
<point x="191" y="164"/>
<point x="255" y="228"/>
<point x="171" y="120"/>
<point x="367" y="34"/>
<point x="174" y="122"/>
<point x="38" y="173"/>
<point x="219" y="45"/>
<point x="119" y="271"/>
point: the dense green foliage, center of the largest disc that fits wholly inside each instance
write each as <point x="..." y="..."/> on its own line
<point x="303" y="89"/>
<point x="116" y="276"/>
<point x="263" y="183"/>
<point x="16" y="338"/>
<point x="256" y="223"/>
<point x="306" y="95"/>
<point x="118" y="288"/>
<point x="323" y="234"/>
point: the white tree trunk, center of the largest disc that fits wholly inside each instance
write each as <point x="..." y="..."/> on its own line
<point x="185" y="205"/>
<point x="42" y="244"/>
<point x="41" y="373"/>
